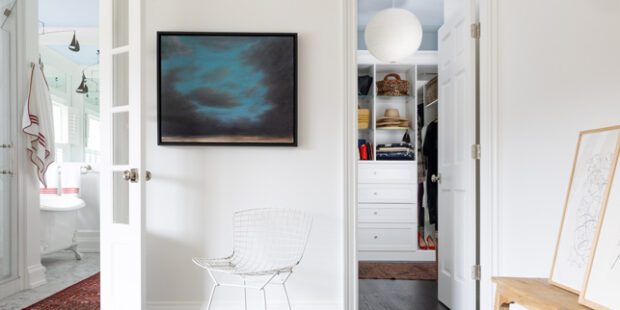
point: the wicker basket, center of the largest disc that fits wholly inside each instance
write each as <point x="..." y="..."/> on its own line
<point x="363" y="118"/>
<point x="393" y="87"/>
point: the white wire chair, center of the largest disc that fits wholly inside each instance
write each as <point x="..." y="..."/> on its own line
<point x="266" y="243"/>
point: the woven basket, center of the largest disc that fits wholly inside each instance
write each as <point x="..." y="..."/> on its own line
<point x="363" y="118"/>
<point x="393" y="87"/>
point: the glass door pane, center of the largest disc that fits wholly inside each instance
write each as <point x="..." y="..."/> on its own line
<point x="120" y="31"/>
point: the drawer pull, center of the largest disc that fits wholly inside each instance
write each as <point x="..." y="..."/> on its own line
<point x="375" y="237"/>
<point x="375" y="213"/>
<point x="375" y="193"/>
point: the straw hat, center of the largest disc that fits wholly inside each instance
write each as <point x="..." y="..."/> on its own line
<point x="391" y="117"/>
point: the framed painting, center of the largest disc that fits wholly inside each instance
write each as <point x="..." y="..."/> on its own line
<point x="602" y="280"/>
<point x="596" y="155"/>
<point x="227" y="88"/>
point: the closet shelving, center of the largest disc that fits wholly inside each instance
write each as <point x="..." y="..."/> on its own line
<point x="378" y="104"/>
<point x="387" y="189"/>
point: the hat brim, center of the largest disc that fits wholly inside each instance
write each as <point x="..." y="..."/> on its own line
<point x="391" y="119"/>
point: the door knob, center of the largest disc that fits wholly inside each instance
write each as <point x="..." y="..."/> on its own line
<point x="131" y="175"/>
<point x="436" y="178"/>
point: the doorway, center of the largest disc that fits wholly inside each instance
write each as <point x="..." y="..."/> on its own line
<point x="416" y="166"/>
<point x="68" y="214"/>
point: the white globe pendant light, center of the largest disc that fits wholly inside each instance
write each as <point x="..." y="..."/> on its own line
<point x="393" y="34"/>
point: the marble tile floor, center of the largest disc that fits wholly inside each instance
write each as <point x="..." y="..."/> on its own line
<point x="62" y="271"/>
<point x="398" y="295"/>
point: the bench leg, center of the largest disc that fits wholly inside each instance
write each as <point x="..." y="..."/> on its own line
<point x="501" y="303"/>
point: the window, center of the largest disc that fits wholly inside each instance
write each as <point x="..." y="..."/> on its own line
<point x="93" y="139"/>
<point x="61" y="122"/>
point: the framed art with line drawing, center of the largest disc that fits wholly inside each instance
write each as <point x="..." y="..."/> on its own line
<point x="602" y="280"/>
<point x="227" y="88"/>
<point x="595" y="158"/>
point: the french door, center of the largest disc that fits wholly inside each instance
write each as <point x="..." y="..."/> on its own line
<point x="457" y="240"/>
<point x="122" y="172"/>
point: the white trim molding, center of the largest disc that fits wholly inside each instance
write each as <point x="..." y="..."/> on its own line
<point x="36" y="276"/>
<point x="87" y="241"/>
<point x="350" y="170"/>
<point x="489" y="187"/>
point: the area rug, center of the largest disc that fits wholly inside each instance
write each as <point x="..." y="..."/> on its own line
<point x="83" y="295"/>
<point x="398" y="270"/>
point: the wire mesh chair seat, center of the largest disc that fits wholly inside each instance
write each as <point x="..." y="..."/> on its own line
<point x="266" y="242"/>
<point x="225" y="265"/>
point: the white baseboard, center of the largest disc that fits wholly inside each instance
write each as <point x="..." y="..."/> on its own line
<point x="87" y="240"/>
<point x="159" y="305"/>
<point x="36" y="275"/>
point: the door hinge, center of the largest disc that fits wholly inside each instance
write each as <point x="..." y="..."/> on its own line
<point x="475" y="30"/>
<point x="476" y="272"/>
<point x="476" y="152"/>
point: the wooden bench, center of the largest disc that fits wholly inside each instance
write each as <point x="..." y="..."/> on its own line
<point x="533" y="293"/>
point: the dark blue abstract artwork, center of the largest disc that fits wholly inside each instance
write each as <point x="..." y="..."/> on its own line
<point x="227" y="88"/>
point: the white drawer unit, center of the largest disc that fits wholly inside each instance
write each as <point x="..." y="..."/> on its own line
<point x="387" y="173"/>
<point x="386" y="213"/>
<point x="387" y="193"/>
<point x="387" y="237"/>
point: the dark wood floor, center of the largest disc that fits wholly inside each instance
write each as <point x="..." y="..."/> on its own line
<point x="398" y="295"/>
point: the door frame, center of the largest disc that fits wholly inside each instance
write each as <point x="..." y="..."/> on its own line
<point x="488" y="15"/>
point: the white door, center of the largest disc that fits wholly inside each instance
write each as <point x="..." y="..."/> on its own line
<point x="457" y="186"/>
<point x="122" y="173"/>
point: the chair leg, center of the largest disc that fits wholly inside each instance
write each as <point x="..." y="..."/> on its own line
<point x="245" y="294"/>
<point x="211" y="296"/>
<point x="264" y="297"/>
<point x="288" y="300"/>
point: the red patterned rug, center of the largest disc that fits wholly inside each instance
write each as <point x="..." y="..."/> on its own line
<point x="398" y="270"/>
<point x="83" y="295"/>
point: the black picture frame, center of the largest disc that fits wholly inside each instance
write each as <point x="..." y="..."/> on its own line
<point x="161" y="101"/>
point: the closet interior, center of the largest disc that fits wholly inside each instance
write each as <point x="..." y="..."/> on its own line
<point x="397" y="167"/>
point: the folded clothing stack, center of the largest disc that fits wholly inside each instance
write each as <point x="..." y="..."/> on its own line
<point x="396" y="151"/>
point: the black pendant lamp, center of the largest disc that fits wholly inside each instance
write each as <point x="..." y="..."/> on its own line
<point x="75" y="44"/>
<point x="83" y="88"/>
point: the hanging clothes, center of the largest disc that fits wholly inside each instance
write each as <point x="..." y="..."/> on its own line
<point x="430" y="150"/>
<point x="38" y="124"/>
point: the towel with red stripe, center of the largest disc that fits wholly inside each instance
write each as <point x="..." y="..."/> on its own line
<point x="38" y="123"/>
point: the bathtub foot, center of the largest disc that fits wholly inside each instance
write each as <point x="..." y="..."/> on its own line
<point x="78" y="255"/>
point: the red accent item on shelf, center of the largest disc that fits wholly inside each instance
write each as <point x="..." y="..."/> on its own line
<point x="363" y="152"/>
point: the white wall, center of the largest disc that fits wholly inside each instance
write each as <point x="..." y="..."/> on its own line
<point x="559" y="73"/>
<point x="195" y="190"/>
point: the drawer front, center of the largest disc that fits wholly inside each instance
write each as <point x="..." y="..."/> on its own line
<point x="387" y="193"/>
<point x="387" y="237"/>
<point x="387" y="213"/>
<point x="387" y="173"/>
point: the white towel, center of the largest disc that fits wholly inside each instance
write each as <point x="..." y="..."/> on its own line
<point x="38" y="123"/>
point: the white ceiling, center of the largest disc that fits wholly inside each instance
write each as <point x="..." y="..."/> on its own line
<point x="69" y="13"/>
<point x="429" y="12"/>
